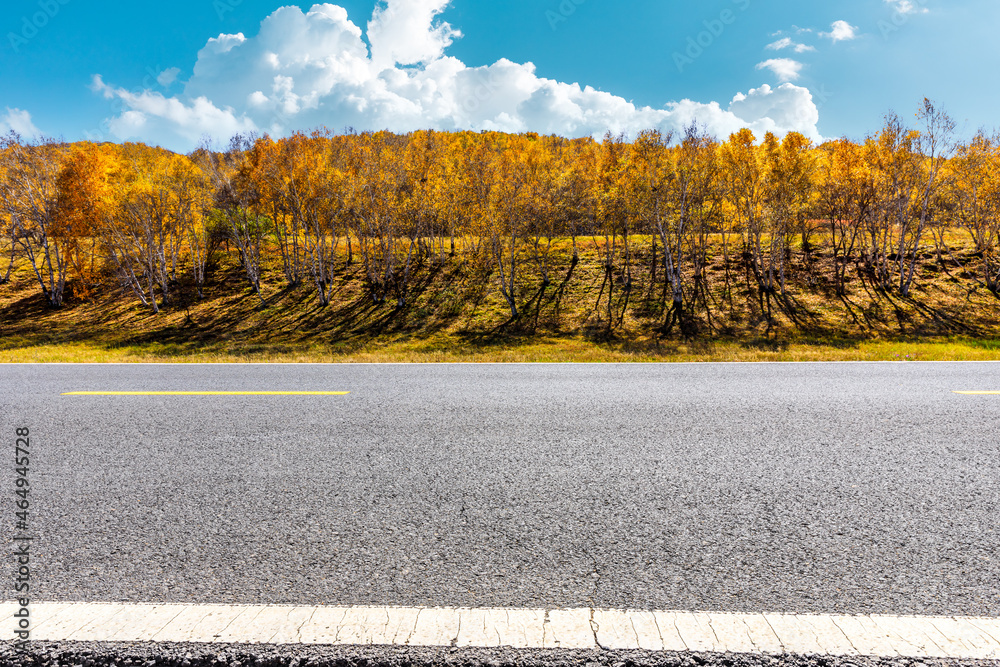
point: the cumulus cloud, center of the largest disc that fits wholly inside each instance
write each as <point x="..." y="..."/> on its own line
<point x="788" y="43"/>
<point x="312" y="69"/>
<point x="785" y="69"/>
<point x="151" y="114"/>
<point x="906" y="6"/>
<point x="406" y="32"/>
<point x="841" y="31"/>
<point x="18" y="120"/>
<point x="167" y="77"/>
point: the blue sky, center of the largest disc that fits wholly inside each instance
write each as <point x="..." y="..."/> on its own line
<point x="115" y="71"/>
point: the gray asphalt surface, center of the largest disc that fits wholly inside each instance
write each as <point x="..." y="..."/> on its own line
<point x="844" y="488"/>
<point x="78" y="654"/>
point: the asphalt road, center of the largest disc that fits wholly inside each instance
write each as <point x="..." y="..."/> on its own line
<point x="839" y="488"/>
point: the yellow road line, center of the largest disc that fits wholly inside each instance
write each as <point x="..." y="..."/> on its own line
<point x="978" y="393"/>
<point x="207" y="393"/>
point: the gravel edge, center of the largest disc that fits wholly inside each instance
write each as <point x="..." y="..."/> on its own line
<point x="145" y="654"/>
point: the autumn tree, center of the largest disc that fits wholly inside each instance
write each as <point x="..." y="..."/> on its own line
<point x="10" y="252"/>
<point x="907" y="165"/>
<point x="86" y="200"/>
<point x="935" y="146"/>
<point x="419" y="204"/>
<point x="375" y="179"/>
<point x="614" y="193"/>
<point x="497" y="182"/>
<point x="500" y="204"/>
<point x="845" y="200"/>
<point x="746" y="193"/>
<point x="651" y="171"/>
<point x="576" y="213"/>
<point x="697" y="175"/>
<point x="190" y="203"/>
<point x="140" y="230"/>
<point x="29" y="199"/>
<point x="429" y="197"/>
<point x="975" y="193"/>
<point x="236" y="204"/>
<point x="686" y="202"/>
<point x="312" y="176"/>
<point x="541" y="200"/>
<point x="270" y="193"/>
<point x="790" y="169"/>
<point x="449" y="194"/>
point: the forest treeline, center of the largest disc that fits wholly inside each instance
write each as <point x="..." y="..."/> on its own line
<point x="147" y="221"/>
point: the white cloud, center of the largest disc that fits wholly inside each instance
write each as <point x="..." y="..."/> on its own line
<point x="167" y="77"/>
<point x="787" y="105"/>
<point x="788" y="43"/>
<point x="907" y="6"/>
<point x="841" y="31"/>
<point x="406" y="33"/>
<point x="785" y="69"/>
<point x="310" y="69"/>
<point x="151" y="115"/>
<point x="18" y="120"/>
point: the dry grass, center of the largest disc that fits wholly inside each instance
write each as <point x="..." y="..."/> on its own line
<point x="454" y="313"/>
<point x="546" y="351"/>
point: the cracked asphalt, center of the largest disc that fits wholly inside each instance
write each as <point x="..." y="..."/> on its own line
<point x="831" y="488"/>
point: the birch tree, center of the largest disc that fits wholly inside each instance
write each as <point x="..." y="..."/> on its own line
<point x="29" y="199"/>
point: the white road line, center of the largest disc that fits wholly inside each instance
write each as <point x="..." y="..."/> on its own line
<point x="808" y="634"/>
